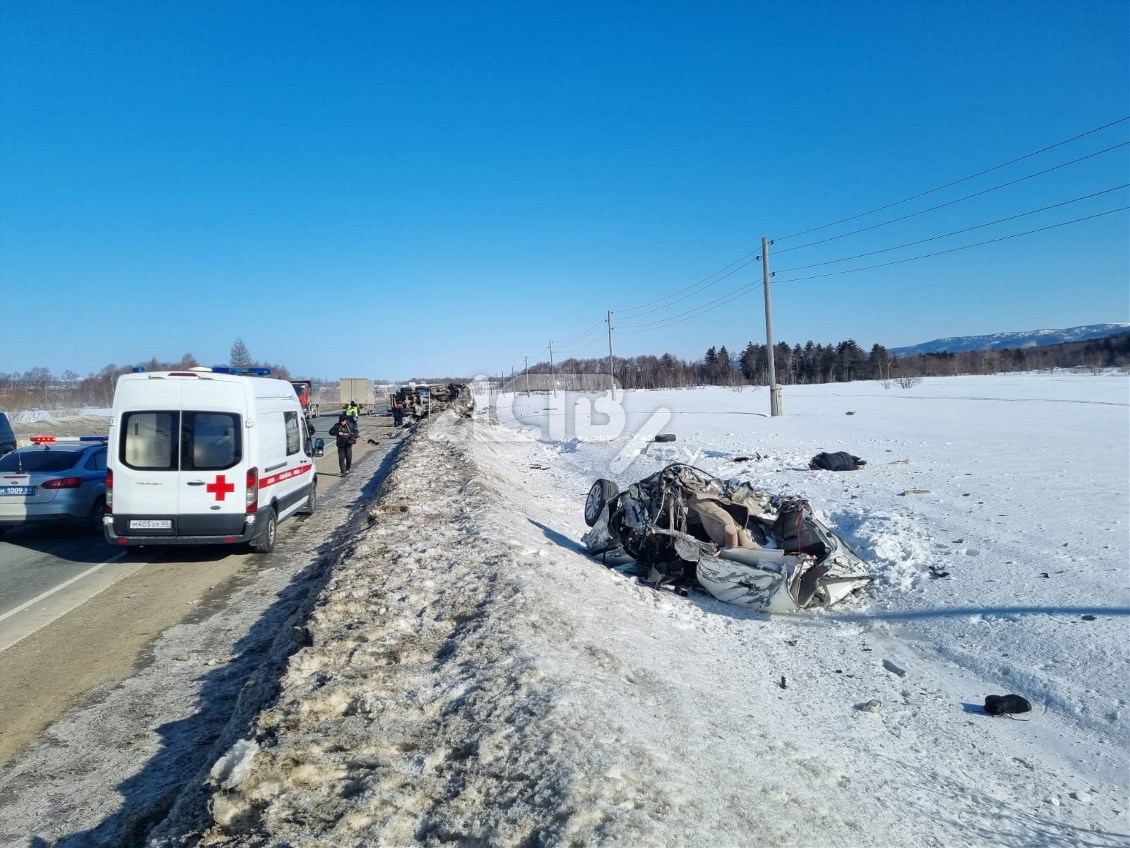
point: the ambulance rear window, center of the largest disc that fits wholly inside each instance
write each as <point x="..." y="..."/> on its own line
<point x="149" y="440"/>
<point x="210" y="440"/>
<point x="207" y="441"/>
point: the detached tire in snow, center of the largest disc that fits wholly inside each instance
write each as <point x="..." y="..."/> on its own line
<point x="600" y="494"/>
<point x="665" y="437"/>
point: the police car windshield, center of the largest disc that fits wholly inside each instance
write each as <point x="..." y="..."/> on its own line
<point x="37" y="459"/>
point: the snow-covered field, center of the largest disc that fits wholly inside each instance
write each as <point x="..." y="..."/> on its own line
<point x="473" y="677"/>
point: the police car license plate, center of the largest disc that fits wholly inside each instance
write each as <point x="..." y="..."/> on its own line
<point x="17" y="490"/>
<point x="151" y="524"/>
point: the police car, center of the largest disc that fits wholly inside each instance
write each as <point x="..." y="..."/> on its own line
<point x="56" y="479"/>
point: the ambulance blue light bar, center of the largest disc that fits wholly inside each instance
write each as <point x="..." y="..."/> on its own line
<point x="254" y="372"/>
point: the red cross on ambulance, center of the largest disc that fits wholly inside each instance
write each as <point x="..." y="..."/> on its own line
<point x="220" y="487"/>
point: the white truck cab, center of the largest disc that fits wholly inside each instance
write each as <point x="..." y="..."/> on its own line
<point x="206" y="456"/>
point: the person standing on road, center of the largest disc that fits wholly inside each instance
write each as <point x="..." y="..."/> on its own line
<point x="346" y="433"/>
<point x="353" y="410"/>
<point x="397" y="414"/>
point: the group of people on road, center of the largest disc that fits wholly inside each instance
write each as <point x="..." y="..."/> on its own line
<point x="346" y="432"/>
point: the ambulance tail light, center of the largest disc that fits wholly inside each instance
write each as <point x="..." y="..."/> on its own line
<point x="252" y="490"/>
<point x="109" y="491"/>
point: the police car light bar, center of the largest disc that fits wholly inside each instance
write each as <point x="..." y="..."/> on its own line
<point x="47" y="440"/>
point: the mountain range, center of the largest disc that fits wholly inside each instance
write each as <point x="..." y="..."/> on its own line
<point x="1001" y="341"/>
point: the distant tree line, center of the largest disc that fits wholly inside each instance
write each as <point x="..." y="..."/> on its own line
<point x="40" y="389"/>
<point x="833" y="363"/>
<point x="794" y="365"/>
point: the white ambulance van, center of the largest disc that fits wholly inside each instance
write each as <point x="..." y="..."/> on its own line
<point x="207" y="456"/>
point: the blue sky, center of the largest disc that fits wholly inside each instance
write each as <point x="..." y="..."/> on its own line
<point x="433" y="188"/>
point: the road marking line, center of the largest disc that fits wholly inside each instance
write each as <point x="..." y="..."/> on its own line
<point x="58" y="588"/>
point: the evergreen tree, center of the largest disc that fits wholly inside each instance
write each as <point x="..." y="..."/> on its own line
<point x="879" y="363"/>
<point x="240" y="355"/>
<point x="747" y="362"/>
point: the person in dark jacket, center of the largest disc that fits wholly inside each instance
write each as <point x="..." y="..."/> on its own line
<point x="346" y="433"/>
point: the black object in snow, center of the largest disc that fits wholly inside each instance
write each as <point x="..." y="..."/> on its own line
<point x="839" y="461"/>
<point x="1002" y="704"/>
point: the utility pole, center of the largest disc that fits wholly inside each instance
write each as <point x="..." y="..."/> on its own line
<point x="552" y="373"/>
<point x="774" y="389"/>
<point x="526" y="359"/>
<point x="611" y="372"/>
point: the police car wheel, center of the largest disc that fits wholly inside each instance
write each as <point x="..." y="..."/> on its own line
<point x="94" y="522"/>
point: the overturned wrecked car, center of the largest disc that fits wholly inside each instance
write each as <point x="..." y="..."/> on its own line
<point x="750" y="548"/>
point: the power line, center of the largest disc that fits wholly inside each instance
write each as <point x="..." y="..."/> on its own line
<point x="694" y="313"/>
<point x="724" y="272"/>
<point x="572" y="353"/>
<point x="697" y="291"/>
<point x="953" y="202"/>
<point x="956" y="182"/>
<point x="954" y="232"/>
<point x="568" y="351"/>
<point x="963" y="247"/>
<point x="713" y="279"/>
<point x="742" y="262"/>
<point x="581" y="335"/>
<point x="719" y="302"/>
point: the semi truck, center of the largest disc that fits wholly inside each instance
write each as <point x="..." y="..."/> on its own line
<point x="360" y="391"/>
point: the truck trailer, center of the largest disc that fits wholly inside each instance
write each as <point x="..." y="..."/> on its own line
<point x="359" y="390"/>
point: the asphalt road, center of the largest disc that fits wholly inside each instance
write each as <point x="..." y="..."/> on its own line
<point x="74" y="604"/>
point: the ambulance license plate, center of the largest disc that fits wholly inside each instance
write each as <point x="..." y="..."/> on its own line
<point x="150" y="524"/>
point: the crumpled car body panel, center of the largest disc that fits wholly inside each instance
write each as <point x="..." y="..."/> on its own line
<point x="673" y="522"/>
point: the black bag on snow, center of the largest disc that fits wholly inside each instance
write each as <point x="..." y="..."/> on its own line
<point x="839" y="461"/>
<point x="796" y="533"/>
<point x="1004" y="704"/>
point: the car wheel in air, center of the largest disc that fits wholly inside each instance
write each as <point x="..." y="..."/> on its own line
<point x="600" y="494"/>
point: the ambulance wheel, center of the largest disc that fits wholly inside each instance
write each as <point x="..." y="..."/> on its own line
<point x="311" y="499"/>
<point x="265" y="543"/>
<point x="600" y="494"/>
